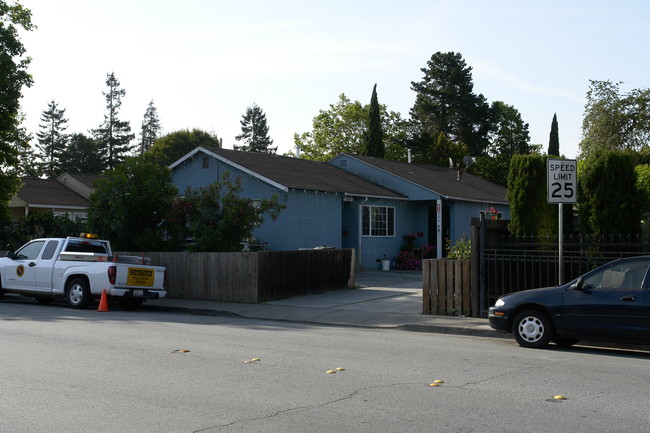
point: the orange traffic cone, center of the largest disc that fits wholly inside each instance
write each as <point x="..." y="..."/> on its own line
<point x="103" y="302"/>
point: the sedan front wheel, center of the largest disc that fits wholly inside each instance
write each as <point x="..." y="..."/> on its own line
<point x="532" y="329"/>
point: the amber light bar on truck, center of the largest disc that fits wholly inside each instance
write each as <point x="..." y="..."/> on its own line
<point x="89" y="236"/>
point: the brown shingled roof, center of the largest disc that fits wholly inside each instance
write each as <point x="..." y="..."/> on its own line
<point x="303" y="174"/>
<point x="86" y="178"/>
<point x="441" y="180"/>
<point x="49" y="192"/>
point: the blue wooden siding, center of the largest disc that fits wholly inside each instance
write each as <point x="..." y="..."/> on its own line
<point x="310" y="218"/>
<point x="421" y="199"/>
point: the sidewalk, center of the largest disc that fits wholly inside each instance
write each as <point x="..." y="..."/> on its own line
<point x="391" y="300"/>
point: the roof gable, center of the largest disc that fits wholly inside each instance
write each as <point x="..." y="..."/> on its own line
<point x="49" y="192"/>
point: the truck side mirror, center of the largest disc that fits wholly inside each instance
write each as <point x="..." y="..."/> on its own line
<point x="11" y="255"/>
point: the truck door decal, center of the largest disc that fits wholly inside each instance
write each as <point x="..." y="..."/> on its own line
<point x="20" y="270"/>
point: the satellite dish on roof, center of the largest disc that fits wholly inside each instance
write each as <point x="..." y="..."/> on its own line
<point x="468" y="160"/>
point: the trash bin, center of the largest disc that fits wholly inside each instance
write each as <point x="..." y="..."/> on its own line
<point x="385" y="264"/>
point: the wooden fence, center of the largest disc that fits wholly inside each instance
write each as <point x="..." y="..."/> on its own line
<point x="446" y="287"/>
<point x="253" y="277"/>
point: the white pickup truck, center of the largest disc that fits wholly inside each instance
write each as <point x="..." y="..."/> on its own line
<point x="79" y="268"/>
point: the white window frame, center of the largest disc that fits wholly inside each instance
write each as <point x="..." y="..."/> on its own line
<point x="378" y="221"/>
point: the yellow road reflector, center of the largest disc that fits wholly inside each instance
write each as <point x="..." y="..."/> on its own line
<point x="438" y="381"/>
<point x="255" y="359"/>
<point x="184" y="351"/>
<point x="330" y="371"/>
<point x="247" y="362"/>
<point x="559" y="397"/>
<point x="434" y="384"/>
<point x="340" y="369"/>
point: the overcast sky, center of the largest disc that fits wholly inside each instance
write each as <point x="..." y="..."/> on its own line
<point x="203" y="62"/>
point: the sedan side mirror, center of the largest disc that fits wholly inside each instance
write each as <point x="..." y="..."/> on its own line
<point x="578" y="285"/>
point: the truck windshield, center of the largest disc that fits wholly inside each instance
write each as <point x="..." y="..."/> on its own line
<point x="86" y="246"/>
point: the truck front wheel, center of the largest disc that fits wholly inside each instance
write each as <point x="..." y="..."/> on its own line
<point x="77" y="293"/>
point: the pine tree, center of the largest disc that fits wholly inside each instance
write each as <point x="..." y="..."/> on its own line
<point x="554" y="140"/>
<point x="150" y="128"/>
<point x="113" y="135"/>
<point x="374" y="136"/>
<point x="255" y="132"/>
<point x="445" y="102"/>
<point x="52" y="139"/>
<point x="22" y="143"/>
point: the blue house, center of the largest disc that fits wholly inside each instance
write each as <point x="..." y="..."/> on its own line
<point x="442" y="200"/>
<point x="363" y="203"/>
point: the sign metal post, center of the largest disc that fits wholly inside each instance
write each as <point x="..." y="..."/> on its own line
<point x="562" y="187"/>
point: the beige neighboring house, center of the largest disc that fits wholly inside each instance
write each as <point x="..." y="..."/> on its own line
<point x="67" y="195"/>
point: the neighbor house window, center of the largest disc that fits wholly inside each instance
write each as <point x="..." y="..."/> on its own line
<point x="378" y="221"/>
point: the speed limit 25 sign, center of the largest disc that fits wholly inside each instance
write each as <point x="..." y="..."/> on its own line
<point x="562" y="180"/>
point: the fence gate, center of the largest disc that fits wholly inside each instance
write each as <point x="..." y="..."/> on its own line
<point x="446" y="287"/>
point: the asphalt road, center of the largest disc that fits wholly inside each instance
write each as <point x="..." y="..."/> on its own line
<point x="65" y="370"/>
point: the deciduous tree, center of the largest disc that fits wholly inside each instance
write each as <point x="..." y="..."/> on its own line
<point x="216" y="218"/>
<point x="171" y="147"/>
<point x="508" y="136"/>
<point x="81" y="155"/>
<point x="13" y="77"/>
<point x="342" y="129"/>
<point x="615" y="121"/>
<point x="130" y="202"/>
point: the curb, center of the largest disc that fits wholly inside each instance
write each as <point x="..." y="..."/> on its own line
<point x="436" y="329"/>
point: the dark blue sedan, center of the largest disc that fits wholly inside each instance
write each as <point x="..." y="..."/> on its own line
<point x="607" y="304"/>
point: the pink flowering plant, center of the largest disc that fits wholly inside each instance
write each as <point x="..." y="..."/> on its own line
<point x="491" y="214"/>
<point x="407" y="260"/>
<point x="410" y="256"/>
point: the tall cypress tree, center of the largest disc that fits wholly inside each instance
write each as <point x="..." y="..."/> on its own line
<point x="114" y="135"/>
<point x="374" y="142"/>
<point x="554" y="140"/>
<point x="52" y="139"/>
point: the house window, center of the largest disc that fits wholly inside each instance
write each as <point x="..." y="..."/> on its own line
<point x="378" y="221"/>
<point x="491" y="215"/>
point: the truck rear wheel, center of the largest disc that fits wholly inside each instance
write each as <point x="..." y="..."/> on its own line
<point x="77" y="293"/>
